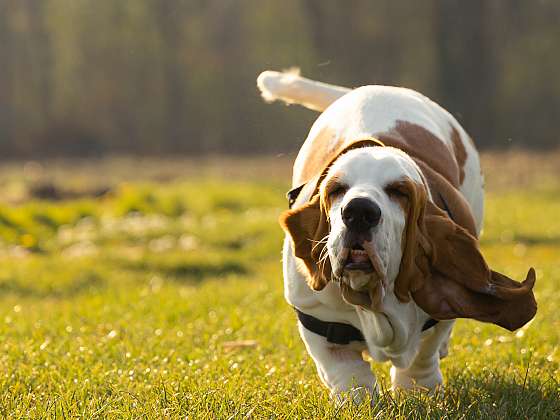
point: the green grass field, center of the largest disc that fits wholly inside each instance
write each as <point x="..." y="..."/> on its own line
<point x="163" y="298"/>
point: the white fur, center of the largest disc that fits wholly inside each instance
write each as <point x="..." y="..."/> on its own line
<point x="394" y="334"/>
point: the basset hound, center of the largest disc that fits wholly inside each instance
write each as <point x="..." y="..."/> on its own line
<point x="381" y="251"/>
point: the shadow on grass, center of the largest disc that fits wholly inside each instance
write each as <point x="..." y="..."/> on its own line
<point x="84" y="284"/>
<point x="524" y="239"/>
<point x="188" y="271"/>
<point x="496" y="395"/>
<point x="486" y="394"/>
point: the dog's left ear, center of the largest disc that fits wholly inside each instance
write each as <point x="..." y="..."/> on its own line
<point x="446" y="275"/>
<point x="308" y="227"/>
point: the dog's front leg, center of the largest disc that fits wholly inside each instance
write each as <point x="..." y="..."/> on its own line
<point x="424" y="372"/>
<point x="341" y="367"/>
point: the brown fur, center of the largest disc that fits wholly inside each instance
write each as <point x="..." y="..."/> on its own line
<point x="460" y="153"/>
<point x="447" y="197"/>
<point x="422" y="144"/>
<point x="325" y="148"/>
<point x="446" y="275"/>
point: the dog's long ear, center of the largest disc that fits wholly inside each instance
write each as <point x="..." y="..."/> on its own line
<point x="451" y="279"/>
<point x="416" y="249"/>
<point x="308" y="227"/>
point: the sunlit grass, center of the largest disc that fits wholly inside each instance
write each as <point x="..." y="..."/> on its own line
<point x="136" y="305"/>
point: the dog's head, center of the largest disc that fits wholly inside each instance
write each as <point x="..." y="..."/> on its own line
<point x="372" y="227"/>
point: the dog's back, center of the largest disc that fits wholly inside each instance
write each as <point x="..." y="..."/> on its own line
<point x="403" y="117"/>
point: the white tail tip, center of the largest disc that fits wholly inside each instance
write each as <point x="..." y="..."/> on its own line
<point x="291" y="88"/>
<point x="273" y="83"/>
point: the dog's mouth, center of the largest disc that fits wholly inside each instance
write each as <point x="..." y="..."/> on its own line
<point x="363" y="280"/>
<point x="358" y="260"/>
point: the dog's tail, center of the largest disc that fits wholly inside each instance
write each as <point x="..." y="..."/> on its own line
<point x="291" y="88"/>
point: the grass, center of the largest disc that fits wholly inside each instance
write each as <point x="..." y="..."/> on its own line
<point x="163" y="298"/>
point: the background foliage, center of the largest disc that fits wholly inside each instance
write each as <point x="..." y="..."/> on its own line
<point x="161" y="77"/>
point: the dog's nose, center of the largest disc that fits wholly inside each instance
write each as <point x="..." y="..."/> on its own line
<point x="361" y="214"/>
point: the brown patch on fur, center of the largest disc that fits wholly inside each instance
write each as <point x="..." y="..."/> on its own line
<point x="448" y="198"/>
<point x="325" y="148"/>
<point x="422" y="144"/>
<point x="446" y="275"/>
<point x="460" y="153"/>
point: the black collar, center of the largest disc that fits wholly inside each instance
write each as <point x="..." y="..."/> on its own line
<point x="293" y="194"/>
<point x="338" y="332"/>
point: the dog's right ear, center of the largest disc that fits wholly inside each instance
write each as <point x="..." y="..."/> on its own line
<point x="462" y="285"/>
<point x="308" y="227"/>
<point x="444" y="271"/>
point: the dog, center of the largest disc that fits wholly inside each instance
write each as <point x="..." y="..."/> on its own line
<point x="381" y="252"/>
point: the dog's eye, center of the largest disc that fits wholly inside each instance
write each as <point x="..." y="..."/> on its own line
<point x="395" y="192"/>
<point x="337" y="191"/>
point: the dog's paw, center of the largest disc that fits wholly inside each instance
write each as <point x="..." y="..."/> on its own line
<point x="356" y="395"/>
<point x="430" y="381"/>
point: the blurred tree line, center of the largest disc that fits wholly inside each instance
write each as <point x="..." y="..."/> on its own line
<point x="91" y="77"/>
